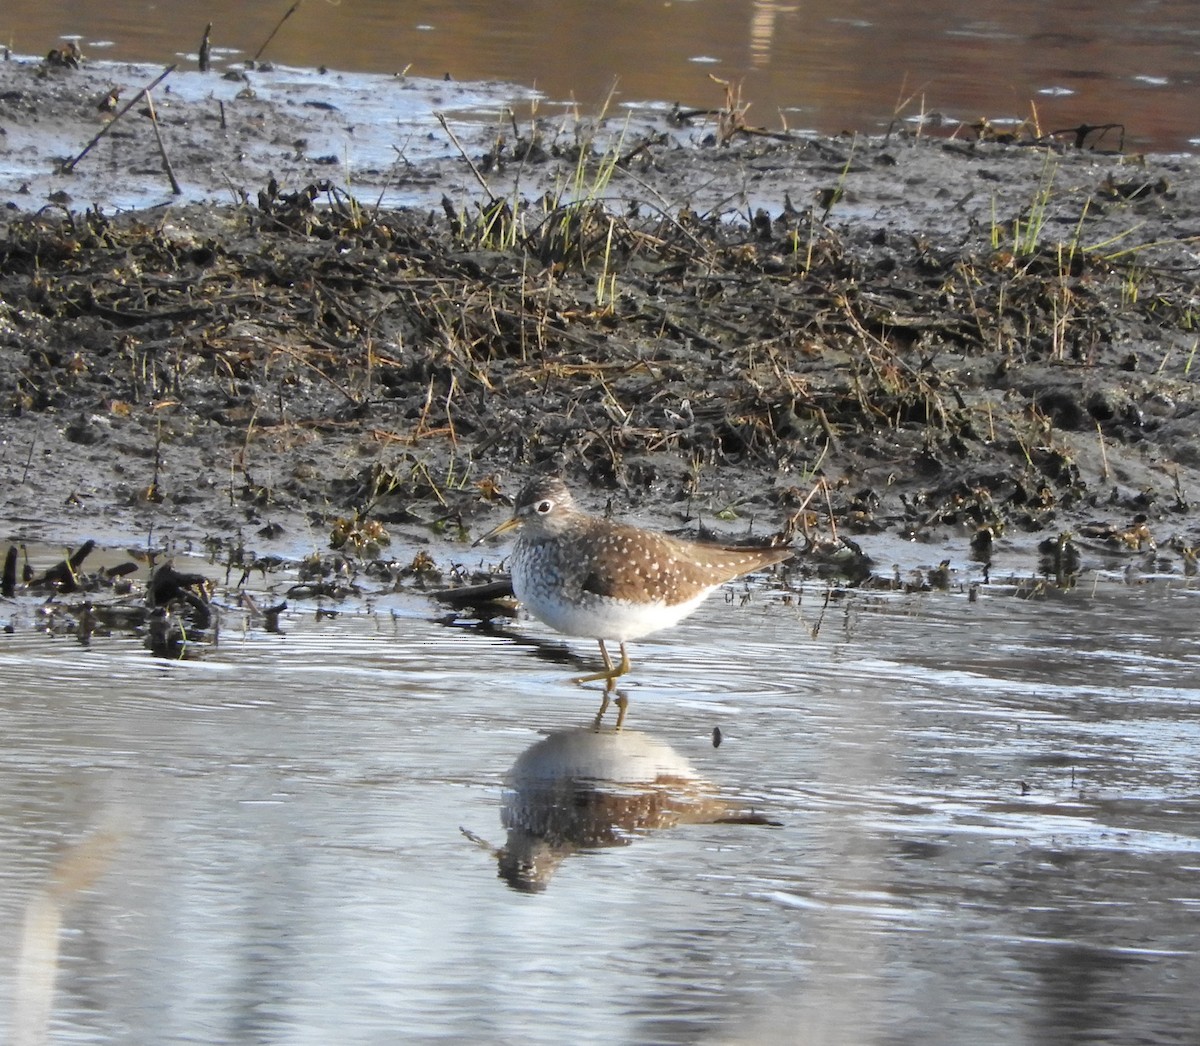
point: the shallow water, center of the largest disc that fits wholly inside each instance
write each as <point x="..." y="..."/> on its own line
<point x="987" y="827"/>
<point x="823" y="65"/>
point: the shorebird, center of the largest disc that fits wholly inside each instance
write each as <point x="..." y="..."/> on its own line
<point x="587" y="576"/>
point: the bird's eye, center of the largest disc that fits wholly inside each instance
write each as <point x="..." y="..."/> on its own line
<point x="543" y="507"/>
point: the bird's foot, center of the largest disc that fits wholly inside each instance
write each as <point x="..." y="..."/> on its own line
<point x="611" y="672"/>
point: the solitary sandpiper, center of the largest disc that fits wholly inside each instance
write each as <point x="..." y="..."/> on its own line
<point x="587" y="576"/>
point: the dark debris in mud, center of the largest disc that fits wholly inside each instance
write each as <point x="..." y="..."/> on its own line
<point x="314" y="368"/>
<point x="172" y="612"/>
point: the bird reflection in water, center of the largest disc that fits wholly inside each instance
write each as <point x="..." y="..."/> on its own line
<point x="583" y="789"/>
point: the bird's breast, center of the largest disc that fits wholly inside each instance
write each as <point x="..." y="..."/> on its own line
<point x="552" y="584"/>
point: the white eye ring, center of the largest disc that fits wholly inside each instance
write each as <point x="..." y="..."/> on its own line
<point x="543" y="507"/>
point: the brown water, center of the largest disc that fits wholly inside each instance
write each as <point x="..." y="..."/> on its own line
<point x="823" y="65"/>
<point x="988" y="828"/>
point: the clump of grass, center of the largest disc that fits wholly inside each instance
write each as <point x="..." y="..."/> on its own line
<point x="1026" y="230"/>
<point x="574" y="226"/>
<point x="577" y="221"/>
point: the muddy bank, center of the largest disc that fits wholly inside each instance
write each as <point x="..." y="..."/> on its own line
<point x="954" y="348"/>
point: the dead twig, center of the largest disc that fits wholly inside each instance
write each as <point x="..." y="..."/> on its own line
<point x="470" y="163"/>
<point x="205" y="49"/>
<point x="278" y="25"/>
<point x="1081" y="133"/>
<point x="162" y="149"/>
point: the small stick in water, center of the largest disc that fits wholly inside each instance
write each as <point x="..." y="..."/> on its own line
<point x="279" y="25"/>
<point x="205" y="49"/>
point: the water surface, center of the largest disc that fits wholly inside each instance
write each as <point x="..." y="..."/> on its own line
<point x="987" y="826"/>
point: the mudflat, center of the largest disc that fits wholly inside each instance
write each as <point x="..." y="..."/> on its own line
<point x="969" y="340"/>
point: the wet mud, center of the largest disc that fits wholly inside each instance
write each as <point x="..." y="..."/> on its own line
<point x="961" y="346"/>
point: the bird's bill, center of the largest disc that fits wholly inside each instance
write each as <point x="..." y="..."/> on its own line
<point x="504" y="527"/>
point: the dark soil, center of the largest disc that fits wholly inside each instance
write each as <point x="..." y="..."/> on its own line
<point x="985" y="345"/>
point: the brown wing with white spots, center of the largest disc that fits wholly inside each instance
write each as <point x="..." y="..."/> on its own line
<point x="642" y="565"/>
